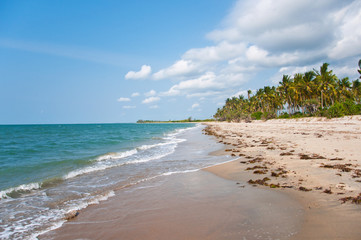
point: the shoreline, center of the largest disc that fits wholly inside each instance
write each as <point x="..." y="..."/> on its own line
<point x="183" y="203"/>
<point x="196" y="205"/>
<point x="293" y="155"/>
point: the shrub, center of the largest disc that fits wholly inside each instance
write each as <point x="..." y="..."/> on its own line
<point x="336" y="110"/>
<point x="268" y="115"/>
<point x="256" y="115"/>
<point x="297" y="115"/>
<point x="321" y="113"/>
<point x="350" y="108"/>
<point x="284" y="115"/>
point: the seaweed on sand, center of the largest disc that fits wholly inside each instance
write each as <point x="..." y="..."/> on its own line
<point x="342" y="167"/>
<point x="355" y="200"/>
<point x="262" y="182"/>
<point x="256" y="167"/>
<point x="257" y="159"/>
<point x="260" y="171"/>
<point x="279" y="172"/>
<point x="328" y="191"/>
<point x="304" y="189"/>
<point x="286" y="154"/>
<point x="313" y="156"/>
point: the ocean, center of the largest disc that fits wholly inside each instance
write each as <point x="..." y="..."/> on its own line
<point x="47" y="171"/>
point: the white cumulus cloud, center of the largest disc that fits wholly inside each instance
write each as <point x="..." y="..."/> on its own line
<point x="150" y="93"/>
<point x="179" y="68"/>
<point x="151" y="100"/>
<point x="136" y="94"/>
<point x="348" y="41"/>
<point x="206" y="81"/>
<point x="220" y="52"/>
<point x="195" y="105"/>
<point x="208" y="84"/>
<point x="144" y="72"/>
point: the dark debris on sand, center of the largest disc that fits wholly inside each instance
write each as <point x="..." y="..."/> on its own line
<point x="355" y="200"/>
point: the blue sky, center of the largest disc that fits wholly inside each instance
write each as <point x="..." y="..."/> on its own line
<point x="120" y="61"/>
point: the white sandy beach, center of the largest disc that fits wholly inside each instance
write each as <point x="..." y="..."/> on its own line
<point x="316" y="160"/>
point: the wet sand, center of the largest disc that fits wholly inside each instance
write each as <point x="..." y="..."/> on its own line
<point x="198" y="205"/>
<point x="323" y="218"/>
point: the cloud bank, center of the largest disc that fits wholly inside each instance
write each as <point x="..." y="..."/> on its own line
<point x="266" y="38"/>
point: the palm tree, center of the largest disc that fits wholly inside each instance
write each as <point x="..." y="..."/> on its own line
<point x="307" y="91"/>
<point x="309" y="84"/>
<point x="297" y="89"/>
<point x="284" y="90"/>
<point x="260" y="100"/>
<point x="356" y="90"/>
<point x="343" y="89"/>
<point x="326" y="83"/>
<point x="249" y="92"/>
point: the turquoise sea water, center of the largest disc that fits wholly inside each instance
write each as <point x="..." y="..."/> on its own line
<point x="34" y="153"/>
<point x="48" y="170"/>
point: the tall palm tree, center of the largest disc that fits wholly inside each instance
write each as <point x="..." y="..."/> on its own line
<point x="356" y="90"/>
<point x="326" y="83"/>
<point x="284" y="90"/>
<point x="249" y="92"/>
<point x="309" y="84"/>
<point x="260" y="99"/>
<point x="297" y="89"/>
<point x="343" y="89"/>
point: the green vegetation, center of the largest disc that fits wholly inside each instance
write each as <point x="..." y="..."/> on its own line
<point x="188" y="120"/>
<point x="314" y="93"/>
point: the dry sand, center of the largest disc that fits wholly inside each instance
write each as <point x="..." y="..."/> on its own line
<point x="316" y="160"/>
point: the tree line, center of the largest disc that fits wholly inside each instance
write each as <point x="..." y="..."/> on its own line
<point x="313" y="93"/>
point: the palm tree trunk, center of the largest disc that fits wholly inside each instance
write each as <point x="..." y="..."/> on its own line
<point x="321" y="99"/>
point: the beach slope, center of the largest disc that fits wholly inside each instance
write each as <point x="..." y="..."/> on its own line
<point x="315" y="160"/>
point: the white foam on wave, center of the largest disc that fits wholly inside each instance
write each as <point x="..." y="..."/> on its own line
<point x="147" y="159"/>
<point x="179" y="172"/>
<point x="181" y="130"/>
<point x="85" y="170"/>
<point x="77" y="207"/>
<point x="20" y="188"/>
<point x="171" y="140"/>
<point x="161" y="175"/>
<point x="103" y="164"/>
<point x="23" y="229"/>
<point x="96" y="200"/>
<point x="113" y="155"/>
<point x="146" y="147"/>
